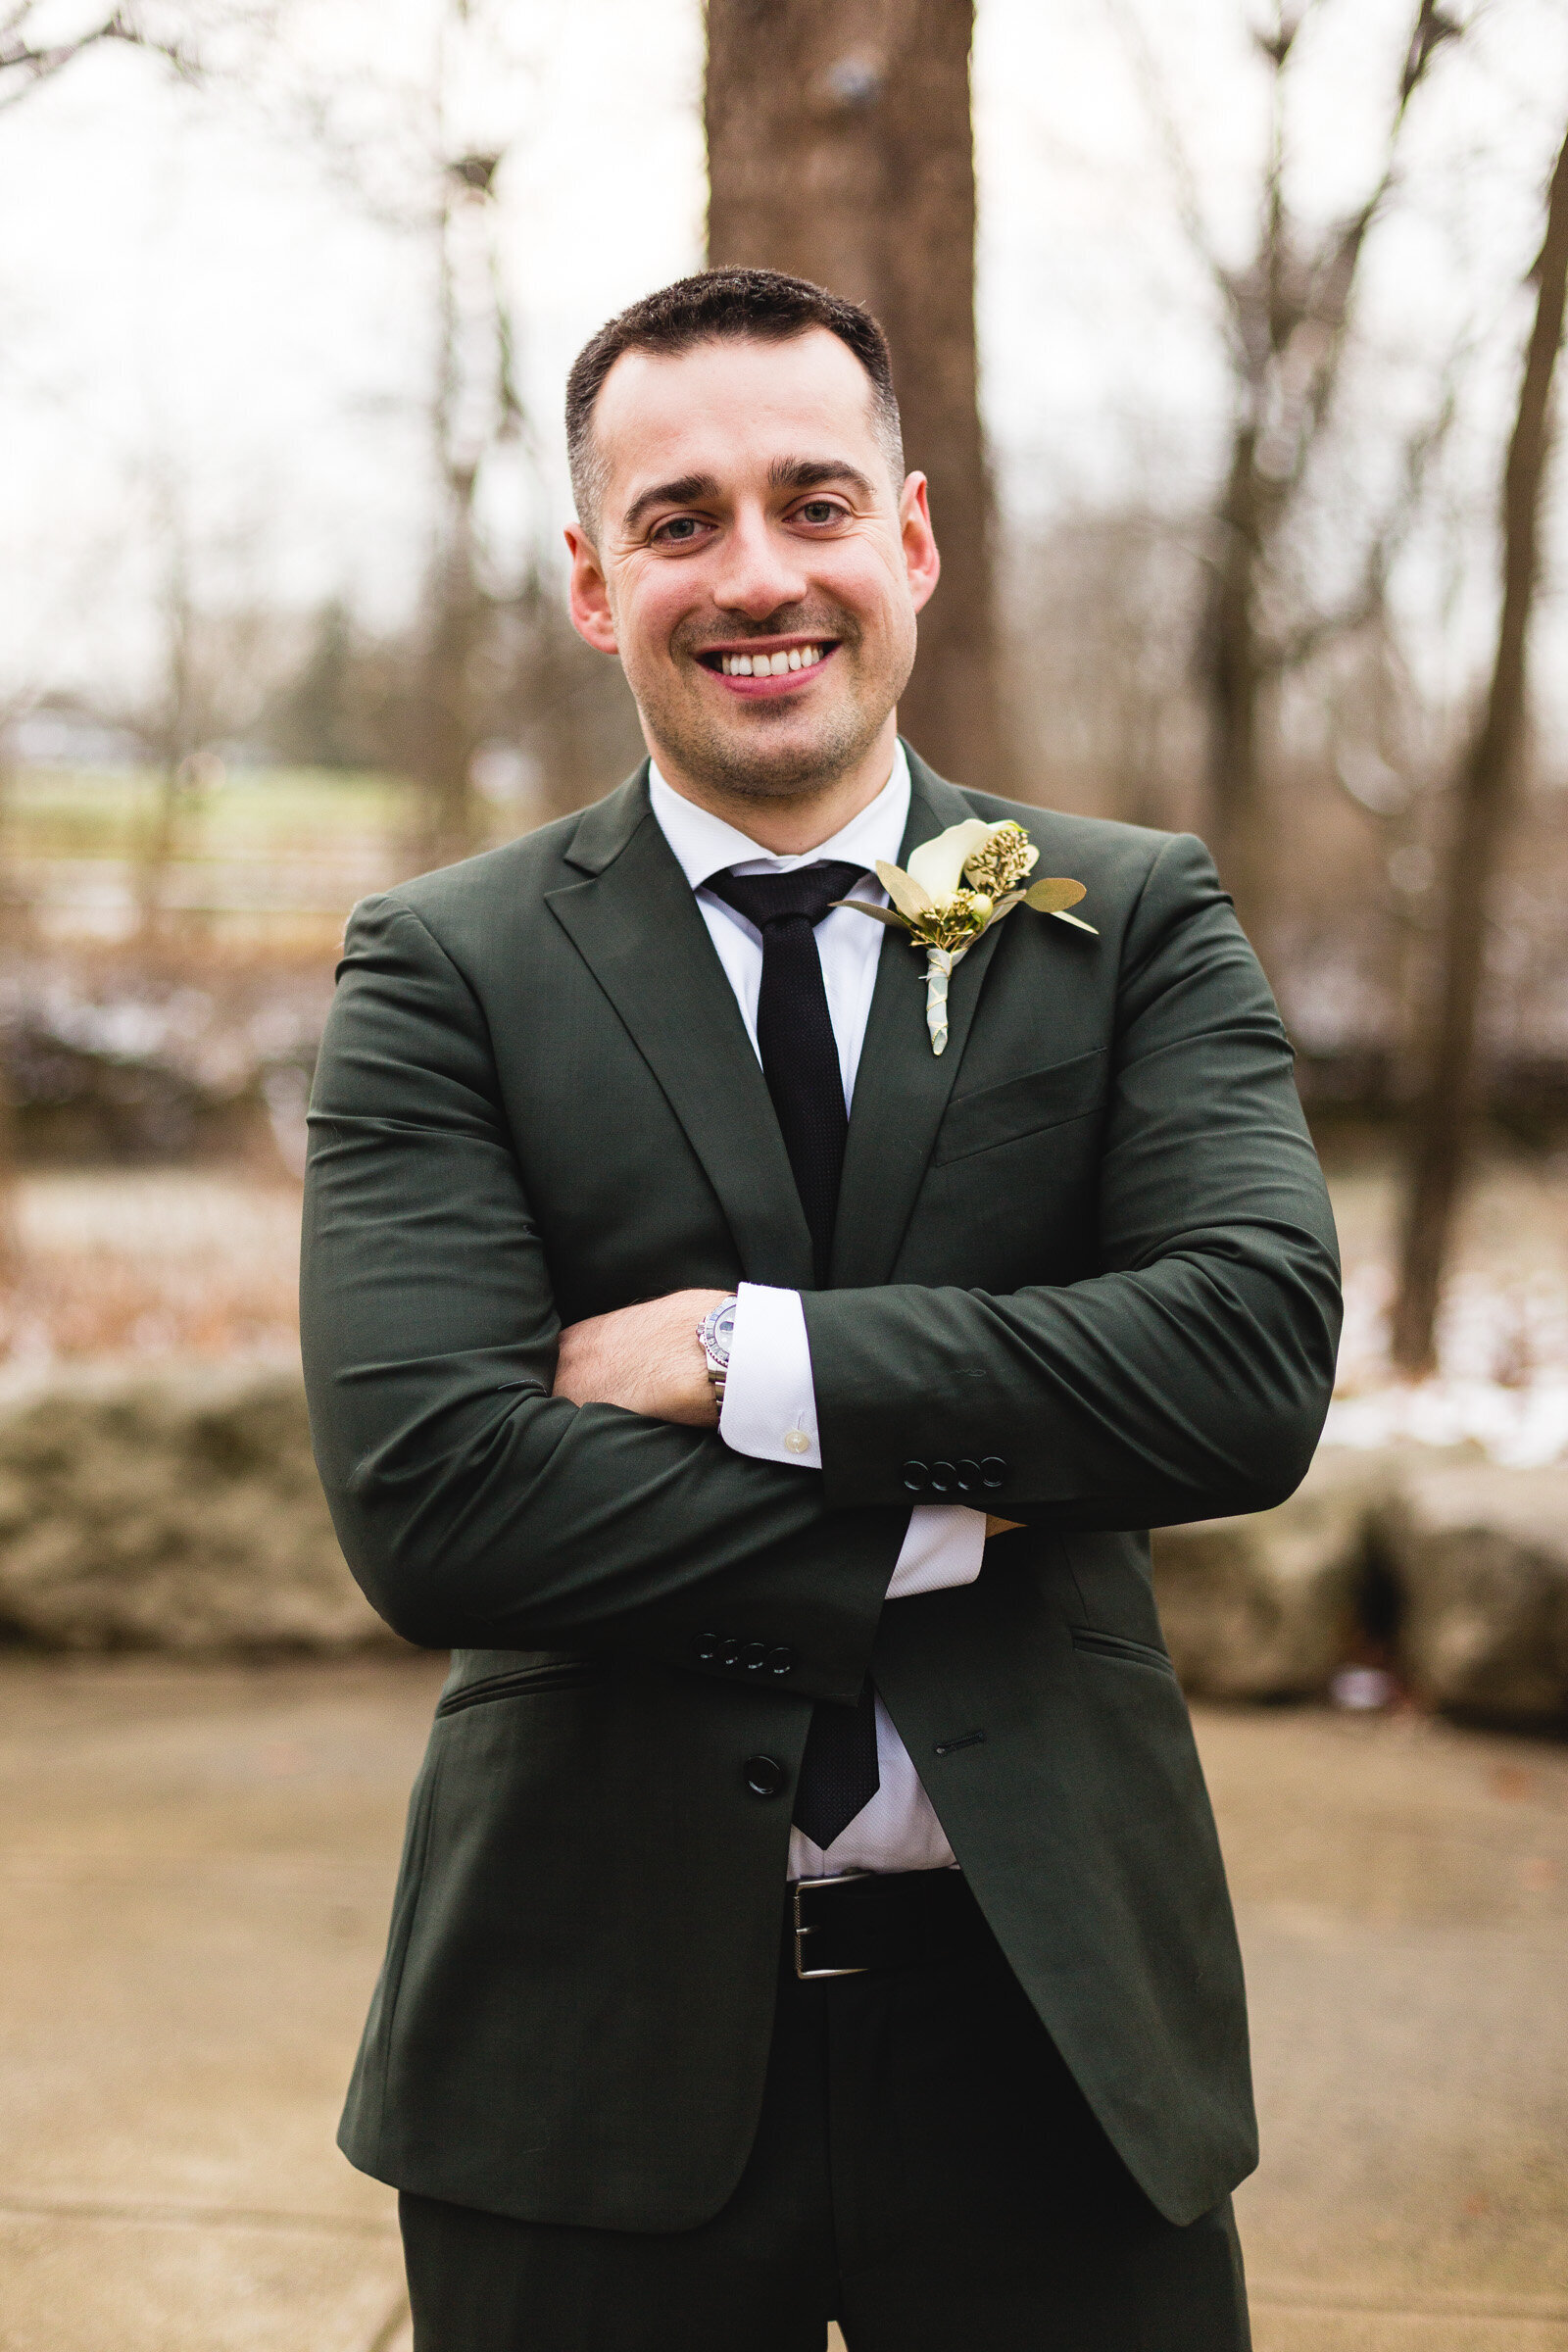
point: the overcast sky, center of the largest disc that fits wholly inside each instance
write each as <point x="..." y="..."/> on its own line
<point x="202" y="301"/>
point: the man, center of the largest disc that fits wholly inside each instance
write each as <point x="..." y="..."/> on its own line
<point x="810" y="1906"/>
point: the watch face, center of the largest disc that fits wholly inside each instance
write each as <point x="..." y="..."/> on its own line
<point x="718" y="1329"/>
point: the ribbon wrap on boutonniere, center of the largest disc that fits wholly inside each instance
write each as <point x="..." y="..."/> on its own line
<point x="956" y="886"/>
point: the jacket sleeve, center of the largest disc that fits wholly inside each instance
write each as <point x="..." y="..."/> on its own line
<point x="476" y="1509"/>
<point x="1189" y="1377"/>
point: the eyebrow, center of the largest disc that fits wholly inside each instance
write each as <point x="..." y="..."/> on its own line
<point x="809" y="473"/>
<point x="785" y="474"/>
<point x="688" y="491"/>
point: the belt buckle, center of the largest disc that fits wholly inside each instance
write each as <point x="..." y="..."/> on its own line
<point x="803" y="1929"/>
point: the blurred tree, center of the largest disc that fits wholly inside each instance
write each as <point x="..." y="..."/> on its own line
<point x="28" y="56"/>
<point x="475" y="411"/>
<point x="314" y="721"/>
<point x="840" y="149"/>
<point x="1483" y="791"/>
<point x="433" y="167"/>
<point x="1286" y="311"/>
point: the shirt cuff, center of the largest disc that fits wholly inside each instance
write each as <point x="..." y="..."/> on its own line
<point x="944" y="1544"/>
<point x="769" y="1408"/>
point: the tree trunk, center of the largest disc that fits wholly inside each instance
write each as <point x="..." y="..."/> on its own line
<point x="1231" y="671"/>
<point x="445" y="737"/>
<point x="840" y="149"/>
<point x="1444" y="1119"/>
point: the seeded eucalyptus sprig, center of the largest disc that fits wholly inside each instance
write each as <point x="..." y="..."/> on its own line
<point x="956" y="886"/>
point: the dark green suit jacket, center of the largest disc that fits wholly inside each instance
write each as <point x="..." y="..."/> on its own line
<point x="1091" y="1241"/>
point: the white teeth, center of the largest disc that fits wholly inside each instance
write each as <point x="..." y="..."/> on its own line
<point x="770" y="665"/>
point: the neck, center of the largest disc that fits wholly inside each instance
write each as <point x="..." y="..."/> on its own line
<point x="791" y="825"/>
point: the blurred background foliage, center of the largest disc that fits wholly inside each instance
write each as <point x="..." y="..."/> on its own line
<point x="1213" y="322"/>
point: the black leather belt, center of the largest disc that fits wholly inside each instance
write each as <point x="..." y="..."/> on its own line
<point x="845" y="1925"/>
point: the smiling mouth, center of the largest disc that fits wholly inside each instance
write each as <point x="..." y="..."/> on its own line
<point x="772" y="664"/>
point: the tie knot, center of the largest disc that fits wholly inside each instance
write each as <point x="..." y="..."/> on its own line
<point x="765" y="899"/>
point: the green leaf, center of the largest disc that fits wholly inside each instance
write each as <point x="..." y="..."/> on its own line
<point x="1053" y="893"/>
<point x="907" y="896"/>
<point x="879" y="914"/>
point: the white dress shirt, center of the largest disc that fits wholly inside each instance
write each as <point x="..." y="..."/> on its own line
<point x="770" y="1406"/>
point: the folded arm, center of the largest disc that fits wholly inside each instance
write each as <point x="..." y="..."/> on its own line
<point x="476" y="1507"/>
<point x="1190" y="1379"/>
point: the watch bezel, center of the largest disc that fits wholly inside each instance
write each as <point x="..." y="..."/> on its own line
<point x="717" y="1351"/>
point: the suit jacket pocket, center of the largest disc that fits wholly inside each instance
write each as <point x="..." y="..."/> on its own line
<point x="1019" y="1106"/>
<point x="546" y="1672"/>
<point x="1121" y="1648"/>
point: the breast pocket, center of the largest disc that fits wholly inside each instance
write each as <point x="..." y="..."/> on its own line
<point x="1021" y="1107"/>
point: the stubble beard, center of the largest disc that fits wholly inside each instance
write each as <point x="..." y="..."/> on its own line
<point x="742" y="760"/>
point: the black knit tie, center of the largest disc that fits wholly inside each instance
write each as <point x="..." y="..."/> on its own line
<point x="801" y="1064"/>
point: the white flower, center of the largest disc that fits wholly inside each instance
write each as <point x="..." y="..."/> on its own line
<point x="937" y="865"/>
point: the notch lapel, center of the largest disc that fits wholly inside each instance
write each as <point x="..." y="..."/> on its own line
<point x="902" y="1088"/>
<point x="636" y="923"/>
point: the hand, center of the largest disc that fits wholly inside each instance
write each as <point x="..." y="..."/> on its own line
<point x="999" y="1527"/>
<point x="648" y="1359"/>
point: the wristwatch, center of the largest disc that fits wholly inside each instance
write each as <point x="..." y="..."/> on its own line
<point x="716" y="1332"/>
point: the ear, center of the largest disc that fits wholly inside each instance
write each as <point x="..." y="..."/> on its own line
<point x="587" y="596"/>
<point x="921" y="563"/>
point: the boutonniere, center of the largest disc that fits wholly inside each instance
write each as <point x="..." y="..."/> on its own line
<point x="958" y="885"/>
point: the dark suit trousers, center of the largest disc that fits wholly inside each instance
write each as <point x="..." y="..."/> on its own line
<point x="925" y="2171"/>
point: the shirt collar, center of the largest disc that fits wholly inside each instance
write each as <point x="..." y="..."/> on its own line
<point x="704" y="843"/>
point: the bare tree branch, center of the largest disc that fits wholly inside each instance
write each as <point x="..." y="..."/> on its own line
<point x="23" y="63"/>
<point x="1487" y="784"/>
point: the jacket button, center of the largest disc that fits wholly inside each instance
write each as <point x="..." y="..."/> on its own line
<point x="781" y="1661"/>
<point x="916" y="1477"/>
<point x="706" y="1647"/>
<point x="731" y="1650"/>
<point x="993" y="1472"/>
<point x="969" y="1477"/>
<point x="943" y="1478"/>
<point x="763" y="1775"/>
<point x="753" y="1657"/>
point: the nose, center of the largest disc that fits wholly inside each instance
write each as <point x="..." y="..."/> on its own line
<point x="760" y="569"/>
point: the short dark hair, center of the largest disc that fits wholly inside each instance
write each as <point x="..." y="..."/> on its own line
<point x="717" y="306"/>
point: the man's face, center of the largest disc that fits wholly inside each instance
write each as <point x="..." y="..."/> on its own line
<point x="747" y="514"/>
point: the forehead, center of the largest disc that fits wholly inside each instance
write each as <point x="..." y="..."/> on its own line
<point x="729" y="408"/>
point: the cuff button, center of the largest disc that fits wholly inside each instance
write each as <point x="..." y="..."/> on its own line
<point x="706" y="1647"/>
<point x="731" y="1651"/>
<point x="753" y="1657"/>
<point x="781" y="1661"/>
<point x="916" y="1477"/>
<point x="943" y="1478"/>
<point x="763" y="1775"/>
<point x="970" y="1478"/>
<point x="795" y="1441"/>
<point x="993" y="1472"/>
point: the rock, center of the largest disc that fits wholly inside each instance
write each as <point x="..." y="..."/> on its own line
<point x="1481" y="1558"/>
<point x="1267" y="1607"/>
<point x="174" y="1509"/>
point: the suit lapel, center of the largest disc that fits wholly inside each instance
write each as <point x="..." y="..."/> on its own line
<point x="902" y="1088"/>
<point x="637" y="925"/>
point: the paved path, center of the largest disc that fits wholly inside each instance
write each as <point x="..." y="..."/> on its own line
<point x="196" y="1865"/>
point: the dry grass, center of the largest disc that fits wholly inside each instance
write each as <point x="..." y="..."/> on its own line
<point x="152" y="1263"/>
